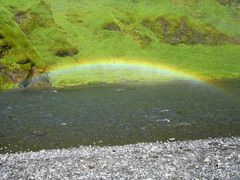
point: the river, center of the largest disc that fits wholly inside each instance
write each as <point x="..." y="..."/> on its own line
<point x="118" y="114"/>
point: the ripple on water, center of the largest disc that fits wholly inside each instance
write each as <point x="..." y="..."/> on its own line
<point x="82" y="116"/>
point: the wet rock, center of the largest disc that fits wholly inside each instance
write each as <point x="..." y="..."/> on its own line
<point x="25" y="84"/>
<point x="40" y="81"/>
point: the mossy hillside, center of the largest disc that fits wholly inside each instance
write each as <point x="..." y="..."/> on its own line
<point x="17" y="53"/>
<point x="20" y="56"/>
<point x="120" y="33"/>
<point x="195" y="36"/>
<point x="47" y="37"/>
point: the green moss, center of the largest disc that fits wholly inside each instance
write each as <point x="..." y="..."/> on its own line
<point x="182" y="31"/>
<point x="111" y="26"/>
<point x="38" y="16"/>
<point x="16" y="39"/>
<point x="62" y="48"/>
<point x="7" y="86"/>
<point x="4" y="49"/>
<point x="26" y="67"/>
<point x="229" y="2"/>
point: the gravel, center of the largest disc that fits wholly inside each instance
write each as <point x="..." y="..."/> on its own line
<point x="200" y="159"/>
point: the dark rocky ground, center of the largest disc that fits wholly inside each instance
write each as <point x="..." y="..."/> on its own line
<point x="201" y="159"/>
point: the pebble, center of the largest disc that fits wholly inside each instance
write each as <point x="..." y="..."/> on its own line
<point x="163" y="120"/>
<point x="128" y="162"/>
<point x="171" y="139"/>
<point x="207" y="159"/>
<point x="64" y="124"/>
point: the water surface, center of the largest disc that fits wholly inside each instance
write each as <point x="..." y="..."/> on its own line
<point x="118" y="114"/>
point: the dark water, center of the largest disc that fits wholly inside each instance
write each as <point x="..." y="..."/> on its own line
<point x="115" y="115"/>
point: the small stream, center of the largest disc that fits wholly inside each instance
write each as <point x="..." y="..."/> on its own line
<point x="118" y="114"/>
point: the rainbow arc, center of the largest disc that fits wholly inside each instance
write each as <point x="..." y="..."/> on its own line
<point x="115" y="71"/>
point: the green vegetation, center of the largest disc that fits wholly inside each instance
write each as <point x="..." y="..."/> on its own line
<point x="196" y="36"/>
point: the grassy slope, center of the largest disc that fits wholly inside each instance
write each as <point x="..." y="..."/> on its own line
<point x="47" y="29"/>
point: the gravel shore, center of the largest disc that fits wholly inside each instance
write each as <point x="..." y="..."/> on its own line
<point x="200" y="159"/>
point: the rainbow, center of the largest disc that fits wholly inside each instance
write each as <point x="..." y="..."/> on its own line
<point x="115" y="71"/>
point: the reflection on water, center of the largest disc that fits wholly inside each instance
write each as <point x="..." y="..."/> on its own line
<point x="119" y="114"/>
